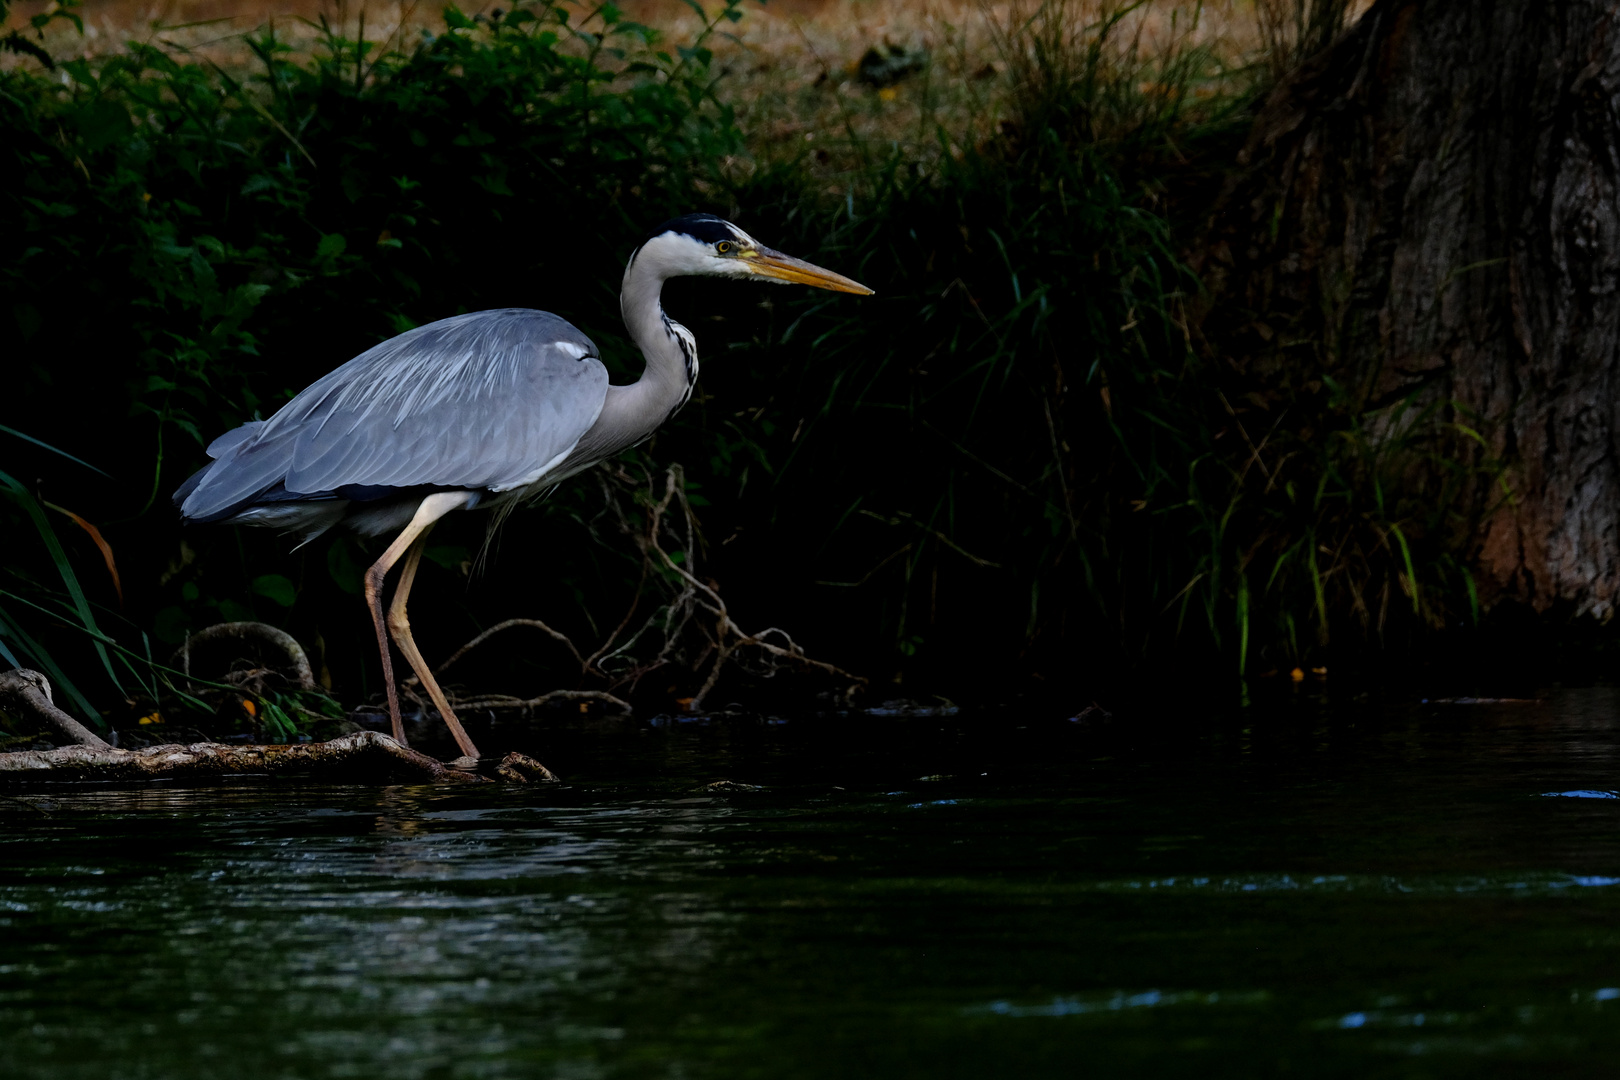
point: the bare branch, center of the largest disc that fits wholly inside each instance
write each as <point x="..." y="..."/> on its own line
<point x="29" y="693"/>
<point x="690" y="625"/>
<point x="624" y="622"/>
<point x="731" y="636"/>
<point x="501" y="701"/>
<point x="507" y="625"/>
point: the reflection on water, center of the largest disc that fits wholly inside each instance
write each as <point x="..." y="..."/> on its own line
<point x="1151" y="999"/>
<point x="1539" y="883"/>
<point x="1307" y="891"/>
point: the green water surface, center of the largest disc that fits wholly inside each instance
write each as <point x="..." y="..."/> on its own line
<point x="1417" y="892"/>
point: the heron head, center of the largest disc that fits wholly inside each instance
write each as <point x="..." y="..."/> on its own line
<point x="702" y="245"/>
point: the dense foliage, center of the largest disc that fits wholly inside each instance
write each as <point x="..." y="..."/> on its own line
<point x="1011" y="462"/>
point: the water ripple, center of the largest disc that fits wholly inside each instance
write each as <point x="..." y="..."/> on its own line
<point x="1535" y="883"/>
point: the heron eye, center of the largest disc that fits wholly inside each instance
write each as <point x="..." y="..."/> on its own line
<point x="723" y="246"/>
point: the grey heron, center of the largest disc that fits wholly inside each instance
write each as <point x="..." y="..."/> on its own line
<point x="482" y="410"/>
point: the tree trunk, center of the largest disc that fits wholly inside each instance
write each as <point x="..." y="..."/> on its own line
<point x="1432" y="205"/>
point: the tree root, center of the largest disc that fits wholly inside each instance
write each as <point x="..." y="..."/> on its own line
<point x="518" y="768"/>
<point x="263" y="635"/>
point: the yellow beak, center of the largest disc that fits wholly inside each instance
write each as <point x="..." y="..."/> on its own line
<point x="773" y="264"/>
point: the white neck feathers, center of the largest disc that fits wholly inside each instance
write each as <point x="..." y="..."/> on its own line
<point x="633" y="412"/>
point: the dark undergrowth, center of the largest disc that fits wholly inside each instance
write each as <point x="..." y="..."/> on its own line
<point x="1011" y="468"/>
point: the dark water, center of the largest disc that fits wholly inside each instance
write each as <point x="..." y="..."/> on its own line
<point x="1305" y="890"/>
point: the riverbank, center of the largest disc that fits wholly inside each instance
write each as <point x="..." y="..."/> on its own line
<point x="1017" y="465"/>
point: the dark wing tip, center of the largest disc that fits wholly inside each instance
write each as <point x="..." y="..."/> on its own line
<point x="190" y="485"/>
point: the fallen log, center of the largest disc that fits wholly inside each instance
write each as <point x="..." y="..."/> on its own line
<point x="362" y="755"/>
<point x="365" y="754"/>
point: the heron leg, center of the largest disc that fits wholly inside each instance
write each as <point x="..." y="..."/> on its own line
<point x="400" y="626"/>
<point x="432" y="508"/>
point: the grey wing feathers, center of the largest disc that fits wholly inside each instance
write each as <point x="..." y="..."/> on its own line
<point x="222" y="445"/>
<point x="490" y="400"/>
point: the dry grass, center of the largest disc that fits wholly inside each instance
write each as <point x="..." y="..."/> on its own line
<point x="793" y="74"/>
<point x="791" y="70"/>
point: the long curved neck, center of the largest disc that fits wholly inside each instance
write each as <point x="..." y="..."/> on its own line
<point x="635" y="410"/>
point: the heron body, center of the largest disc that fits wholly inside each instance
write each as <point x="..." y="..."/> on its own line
<point x="480" y="410"/>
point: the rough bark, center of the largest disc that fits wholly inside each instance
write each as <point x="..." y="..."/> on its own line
<point x="516" y="768"/>
<point x="363" y="755"/>
<point x="1433" y="205"/>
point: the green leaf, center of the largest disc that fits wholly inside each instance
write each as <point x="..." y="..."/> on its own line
<point x="101" y="123"/>
<point x="331" y="246"/>
<point x="171" y="624"/>
<point x="69" y="579"/>
<point x="277" y="588"/>
<point x="45" y="445"/>
<point x="1411" y="571"/>
<point x="234" y="611"/>
<point x="59" y="680"/>
<point x="341" y="565"/>
<point x="1243" y="624"/>
<point x="28" y="319"/>
<point x="449" y="556"/>
<point x="276" y="721"/>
